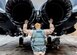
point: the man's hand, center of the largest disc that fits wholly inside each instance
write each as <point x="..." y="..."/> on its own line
<point x="26" y="21"/>
<point x="51" y="21"/>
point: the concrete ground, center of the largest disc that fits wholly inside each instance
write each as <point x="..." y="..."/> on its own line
<point x="9" y="46"/>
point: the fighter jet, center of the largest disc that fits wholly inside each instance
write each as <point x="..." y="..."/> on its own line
<point x="13" y="13"/>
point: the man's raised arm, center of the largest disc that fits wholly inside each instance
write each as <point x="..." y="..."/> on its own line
<point x="25" y="30"/>
<point x="25" y="27"/>
<point x="51" y="28"/>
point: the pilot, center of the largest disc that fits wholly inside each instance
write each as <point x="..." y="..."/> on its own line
<point x="38" y="36"/>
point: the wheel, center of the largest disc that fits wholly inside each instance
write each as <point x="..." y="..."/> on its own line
<point x="53" y="44"/>
<point x="56" y="43"/>
<point x="21" y="41"/>
<point x="49" y="43"/>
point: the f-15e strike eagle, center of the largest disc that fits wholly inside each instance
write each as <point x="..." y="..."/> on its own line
<point x="13" y="13"/>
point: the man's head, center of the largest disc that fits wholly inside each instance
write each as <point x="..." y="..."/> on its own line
<point x="37" y="26"/>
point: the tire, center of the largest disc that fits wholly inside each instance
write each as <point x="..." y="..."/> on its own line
<point x="19" y="10"/>
<point x="53" y="44"/>
<point x="56" y="43"/>
<point x="58" y="10"/>
<point x="20" y="41"/>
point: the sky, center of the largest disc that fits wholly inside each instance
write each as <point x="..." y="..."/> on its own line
<point x="74" y="2"/>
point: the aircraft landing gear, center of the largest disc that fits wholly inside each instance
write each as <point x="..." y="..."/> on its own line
<point x="21" y="42"/>
<point x="56" y="43"/>
<point x="53" y="44"/>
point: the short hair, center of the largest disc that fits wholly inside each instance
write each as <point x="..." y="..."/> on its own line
<point x="37" y="24"/>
